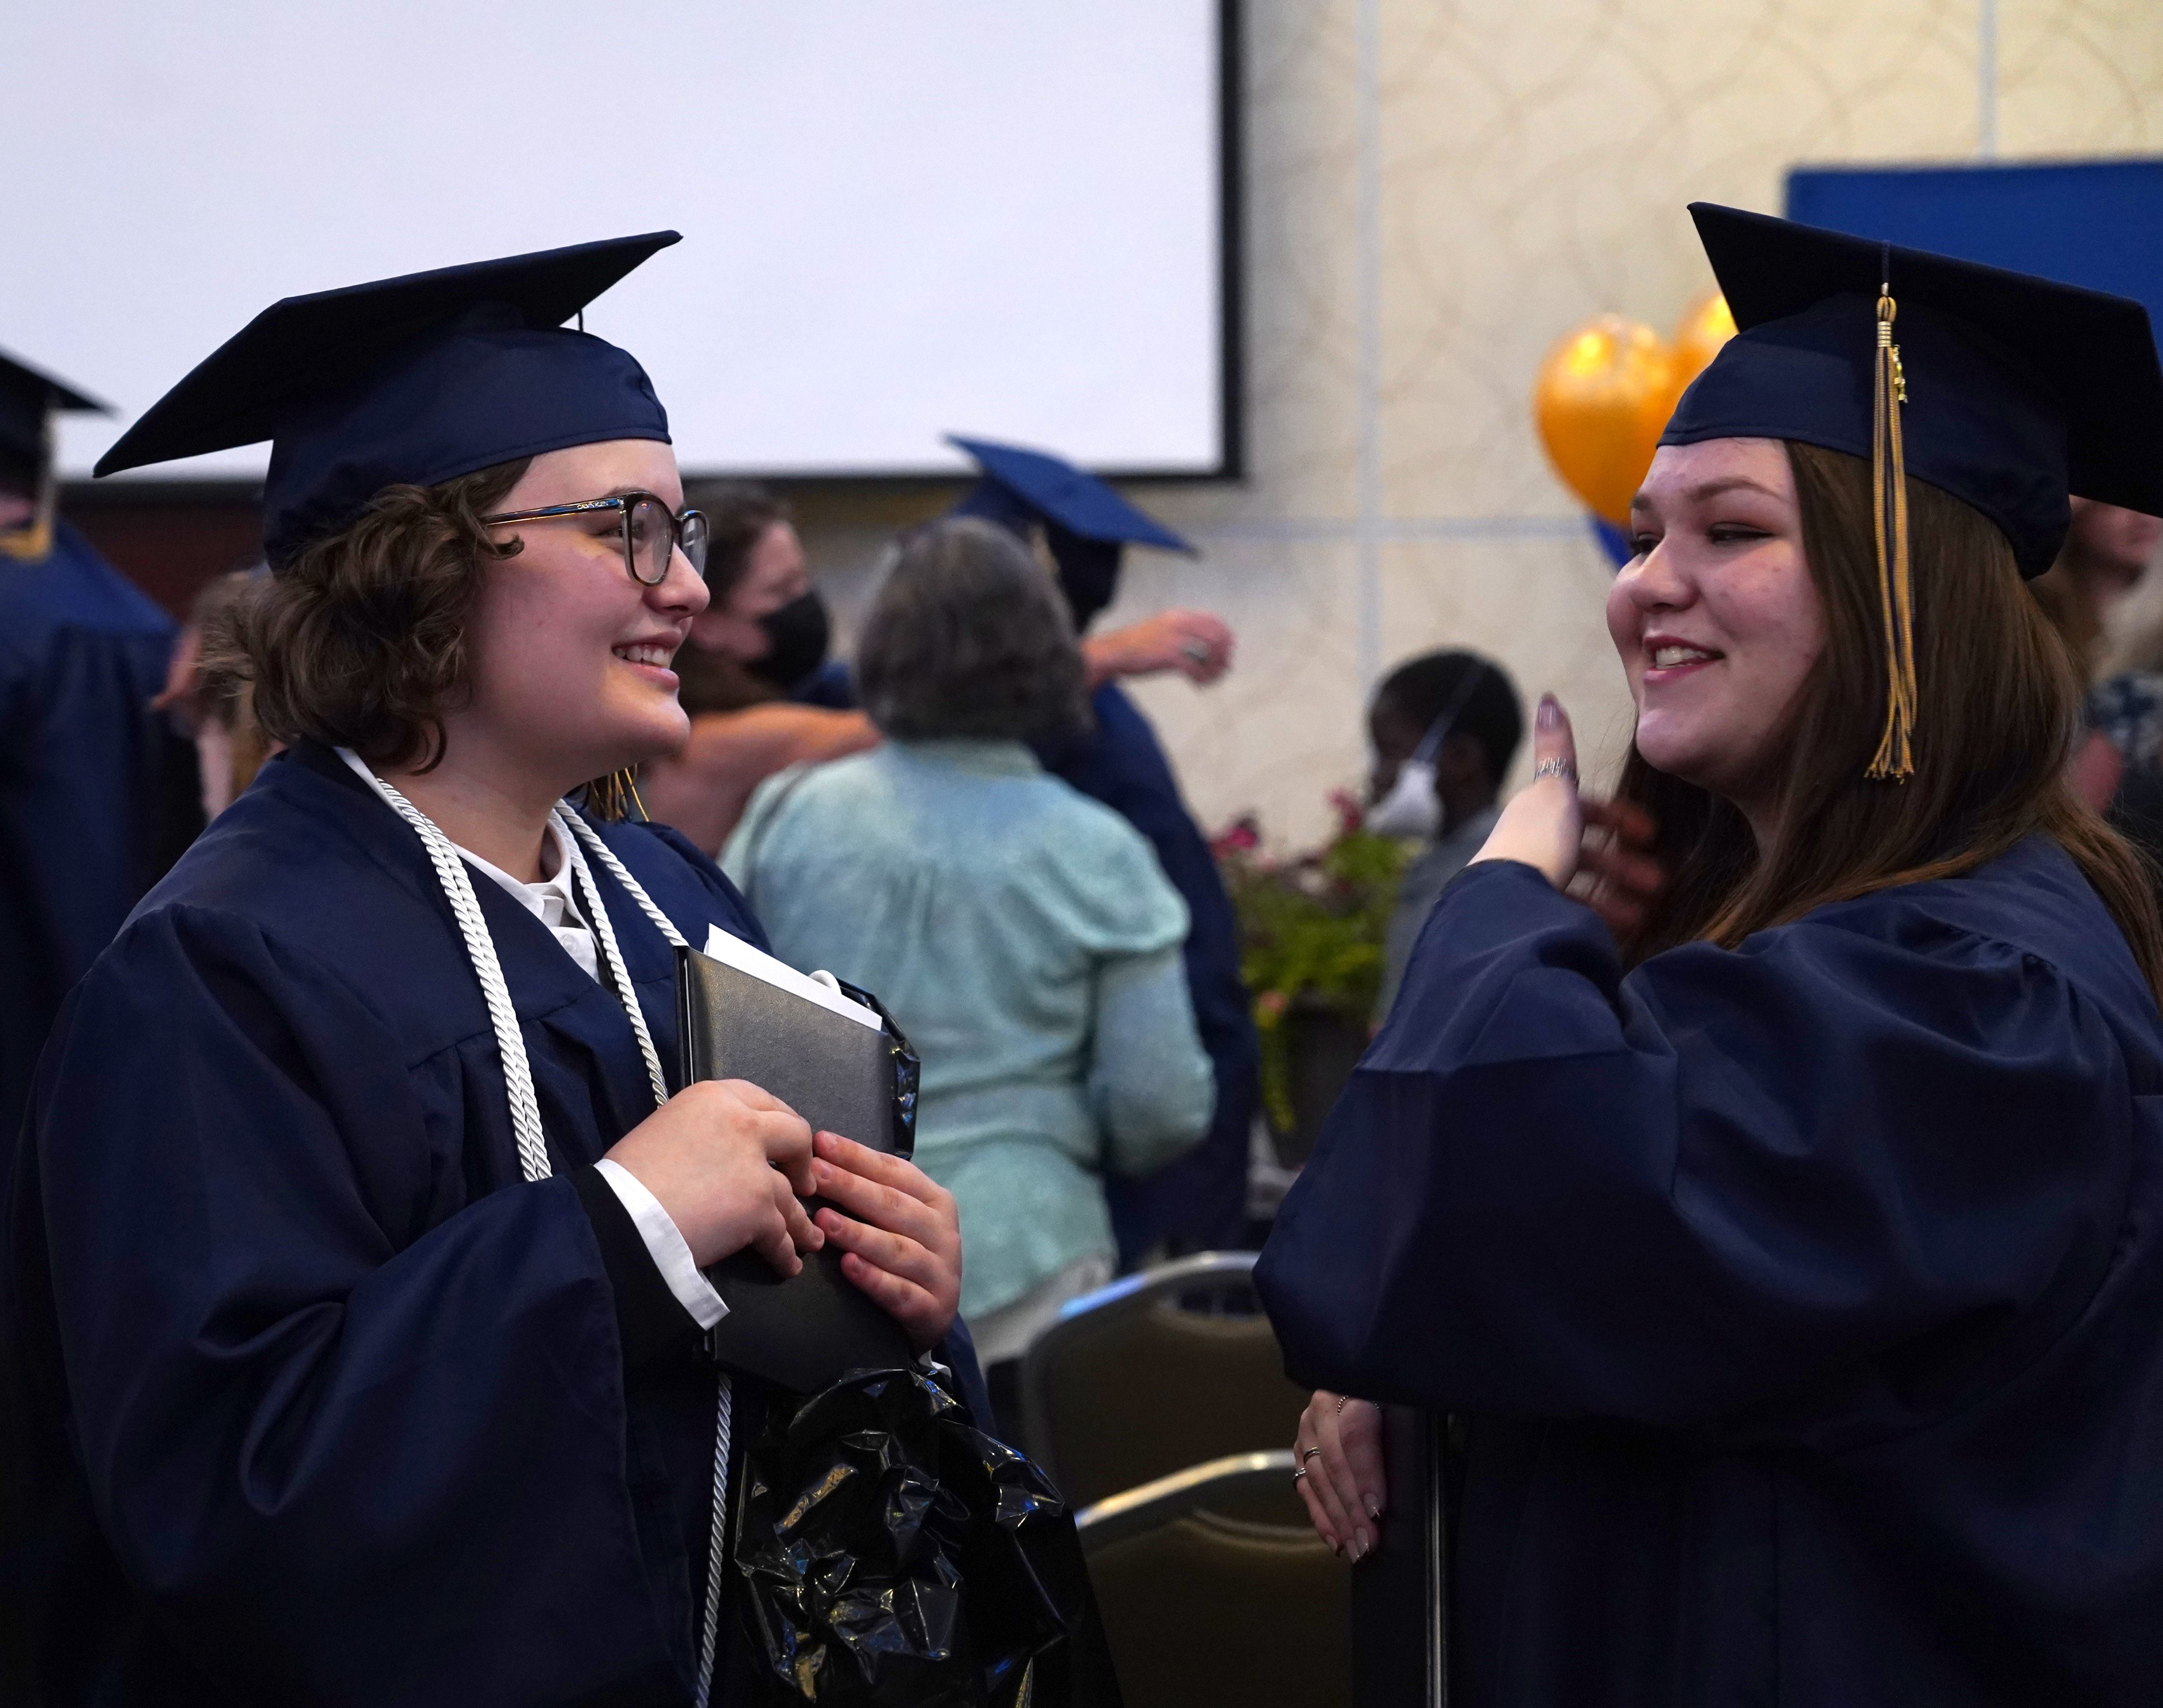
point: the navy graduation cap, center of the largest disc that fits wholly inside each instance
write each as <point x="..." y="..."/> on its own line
<point x="1086" y="524"/>
<point x="2007" y="391"/>
<point x="29" y="398"/>
<point x="415" y="379"/>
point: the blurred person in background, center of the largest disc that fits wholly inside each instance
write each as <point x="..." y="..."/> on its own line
<point x="1444" y="727"/>
<point x="1084" y="526"/>
<point x="763" y="694"/>
<point x="213" y="703"/>
<point x="2106" y="550"/>
<point x="764" y="633"/>
<point x="2119" y="767"/>
<point x="94" y="798"/>
<point x="1023" y="936"/>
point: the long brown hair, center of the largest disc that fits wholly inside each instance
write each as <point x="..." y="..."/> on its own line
<point x="1999" y="695"/>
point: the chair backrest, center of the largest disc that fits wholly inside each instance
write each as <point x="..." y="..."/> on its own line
<point x="1200" y="1607"/>
<point x="1131" y="1383"/>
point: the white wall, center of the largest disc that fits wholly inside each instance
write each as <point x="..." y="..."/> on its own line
<point x="899" y="220"/>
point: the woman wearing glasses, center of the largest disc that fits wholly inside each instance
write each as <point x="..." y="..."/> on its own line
<point x="353" y="1273"/>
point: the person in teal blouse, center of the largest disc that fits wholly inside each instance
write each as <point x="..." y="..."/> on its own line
<point x="1023" y="936"/>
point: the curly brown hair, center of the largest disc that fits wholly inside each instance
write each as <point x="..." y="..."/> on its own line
<point x="360" y="641"/>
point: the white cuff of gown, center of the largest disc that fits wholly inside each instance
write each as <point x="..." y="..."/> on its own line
<point x="664" y="1243"/>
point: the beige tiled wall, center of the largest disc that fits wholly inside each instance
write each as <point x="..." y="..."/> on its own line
<point x="1525" y="165"/>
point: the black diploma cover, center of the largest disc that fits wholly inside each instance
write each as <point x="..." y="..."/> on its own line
<point x="806" y="1333"/>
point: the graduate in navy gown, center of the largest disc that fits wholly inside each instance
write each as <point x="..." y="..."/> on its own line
<point x="352" y="1277"/>
<point x="1783" y="1224"/>
<point x="1199" y="1202"/>
<point x="85" y="763"/>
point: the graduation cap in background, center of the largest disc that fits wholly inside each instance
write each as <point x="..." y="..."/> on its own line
<point x="2007" y="391"/>
<point x="29" y="398"/>
<point x="419" y="379"/>
<point x="1086" y="524"/>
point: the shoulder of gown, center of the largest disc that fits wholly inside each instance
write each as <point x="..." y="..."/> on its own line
<point x="1732" y="1181"/>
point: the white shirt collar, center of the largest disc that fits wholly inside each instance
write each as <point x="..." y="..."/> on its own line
<point x="549" y="901"/>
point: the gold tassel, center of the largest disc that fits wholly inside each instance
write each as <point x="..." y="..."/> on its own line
<point x="1889" y="474"/>
<point x="33" y="541"/>
<point x="613" y="796"/>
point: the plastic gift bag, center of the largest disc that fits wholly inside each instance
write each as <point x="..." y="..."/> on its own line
<point x="891" y="1554"/>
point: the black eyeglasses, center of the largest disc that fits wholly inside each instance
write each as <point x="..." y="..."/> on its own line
<point x="652" y="532"/>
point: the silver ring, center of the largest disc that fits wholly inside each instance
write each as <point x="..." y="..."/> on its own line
<point x="1343" y="1401"/>
<point x="1311" y="1453"/>
<point x="1298" y="1474"/>
<point x="1555" y="767"/>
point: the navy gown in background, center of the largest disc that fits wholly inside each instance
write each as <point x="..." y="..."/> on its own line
<point x="87" y="783"/>
<point x="1806" y="1299"/>
<point x="1200" y="1202"/>
<point x="325" y="1403"/>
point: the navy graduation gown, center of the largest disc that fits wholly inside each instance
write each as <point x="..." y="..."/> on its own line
<point x="1808" y="1298"/>
<point x="327" y="1404"/>
<point x="1199" y="1201"/>
<point x="82" y="653"/>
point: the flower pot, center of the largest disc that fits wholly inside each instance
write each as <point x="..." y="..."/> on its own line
<point x="1323" y="1045"/>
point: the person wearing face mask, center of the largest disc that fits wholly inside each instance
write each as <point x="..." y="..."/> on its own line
<point x="758" y="646"/>
<point x="1444" y="727"/>
<point x="1781" y="1225"/>
<point x="764" y="695"/>
<point x="353" y="1286"/>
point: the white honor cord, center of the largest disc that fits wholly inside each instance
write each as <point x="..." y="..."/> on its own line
<point x="480" y="950"/>
<point x="526" y="1108"/>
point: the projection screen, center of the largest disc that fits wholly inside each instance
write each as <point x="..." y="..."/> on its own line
<point x="899" y="221"/>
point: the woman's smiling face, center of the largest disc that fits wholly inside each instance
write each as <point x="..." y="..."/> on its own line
<point x="567" y="655"/>
<point x="1716" y="619"/>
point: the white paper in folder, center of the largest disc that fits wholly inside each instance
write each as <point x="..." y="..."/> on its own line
<point x="734" y="951"/>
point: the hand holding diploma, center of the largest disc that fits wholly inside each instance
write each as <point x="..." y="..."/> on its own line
<point x="729" y="1163"/>
<point x="901" y="1239"/>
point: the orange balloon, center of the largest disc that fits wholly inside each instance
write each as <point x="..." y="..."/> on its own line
<point x="1604" y="394"/>
<point x="1705" y="325"/>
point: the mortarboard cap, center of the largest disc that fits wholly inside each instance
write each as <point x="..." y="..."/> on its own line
<point x="27" y="396"/>
<point x="2007" y="391"/>
<point x="1049" y="488"/>
<point x="2019" y="391"/>
<point x="420" y="379"/>
<point x="1086" y="523"/>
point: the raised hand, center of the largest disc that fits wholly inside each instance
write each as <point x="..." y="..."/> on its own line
<point x="902" y="1239"/>
<point x="1196" y="644"/>
<point x="1543" y="825"/>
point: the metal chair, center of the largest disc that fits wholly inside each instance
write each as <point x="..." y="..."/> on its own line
<point x="1133" y="1382"/>
<point x="1200" y="1607"/>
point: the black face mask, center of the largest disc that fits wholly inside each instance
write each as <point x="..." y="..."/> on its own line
<point x="1088" y="572"/>
<point x="796" y="638"/>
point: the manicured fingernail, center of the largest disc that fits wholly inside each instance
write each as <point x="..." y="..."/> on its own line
<point x="1365" y="1542"/>
<point x="1374" y="1508"/>
<point x="1550" y="713"/>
